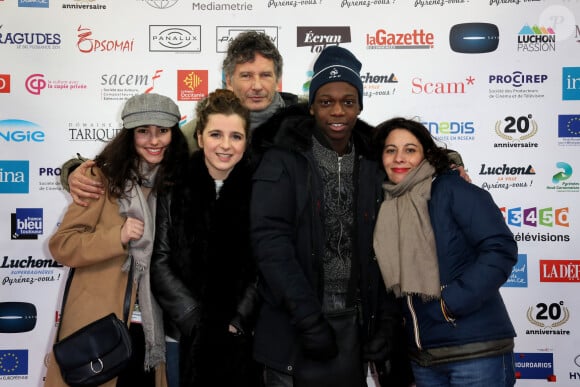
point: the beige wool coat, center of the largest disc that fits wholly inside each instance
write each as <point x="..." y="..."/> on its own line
<point x="89" y="239"/>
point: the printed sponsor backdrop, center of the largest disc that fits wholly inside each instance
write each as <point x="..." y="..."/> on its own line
<point x="497" y="80"/>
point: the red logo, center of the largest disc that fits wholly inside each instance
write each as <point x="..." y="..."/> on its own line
<point x="192" y="85"/>
<point x="4" y="83"/>
<point x="559" y="270"/>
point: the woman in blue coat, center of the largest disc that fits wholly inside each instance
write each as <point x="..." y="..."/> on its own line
<point x="444" y="248"/>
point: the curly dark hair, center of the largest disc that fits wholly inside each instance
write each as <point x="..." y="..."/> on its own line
<point x="436" y="155"/>
<point x="244" y="48"/>
<point x="118" y="161"/>
<point x="220" y="101"/>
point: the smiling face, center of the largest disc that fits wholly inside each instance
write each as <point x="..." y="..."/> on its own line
<point x="336" y="108"/>
<point x="254" y="82"/>
<point x="223" y="141"/>
<point x="402" y="153"/>
<point x="151" y="142"/>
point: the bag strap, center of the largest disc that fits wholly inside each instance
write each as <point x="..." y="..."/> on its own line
<point x="126" y="302"/>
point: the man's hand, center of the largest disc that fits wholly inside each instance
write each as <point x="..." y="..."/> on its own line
<point x="83" y="187"/>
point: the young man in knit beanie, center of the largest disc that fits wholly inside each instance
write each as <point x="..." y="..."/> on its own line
<point x="315" y="196"/>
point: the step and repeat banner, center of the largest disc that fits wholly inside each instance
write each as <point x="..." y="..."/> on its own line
<point x="496" y="80"/>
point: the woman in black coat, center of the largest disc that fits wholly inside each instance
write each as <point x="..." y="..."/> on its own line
<point x="202" y="272"/>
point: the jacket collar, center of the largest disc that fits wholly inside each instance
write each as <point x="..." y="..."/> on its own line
<point x="292" y="128"/>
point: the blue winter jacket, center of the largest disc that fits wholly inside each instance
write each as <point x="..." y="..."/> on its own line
<point x="476" y="252"/>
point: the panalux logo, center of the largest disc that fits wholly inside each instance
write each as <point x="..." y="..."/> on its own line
<point x="317" y="38"/>
<point x="181" y="38"/>
<point x="161" y="4"/>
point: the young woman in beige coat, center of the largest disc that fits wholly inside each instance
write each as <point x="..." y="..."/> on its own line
<point x="97" y="240"/>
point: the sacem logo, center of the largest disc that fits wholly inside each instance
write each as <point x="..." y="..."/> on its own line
<point x="474" y="38"/>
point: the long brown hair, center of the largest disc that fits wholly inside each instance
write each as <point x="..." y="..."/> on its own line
<point x="119" y="161"/>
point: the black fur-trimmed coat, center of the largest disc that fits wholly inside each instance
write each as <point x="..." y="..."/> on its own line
<point x="203" y="274"/>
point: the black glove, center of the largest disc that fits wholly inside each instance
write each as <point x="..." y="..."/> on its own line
<point x="317" y="337"/>
<point x="380" y="346"/>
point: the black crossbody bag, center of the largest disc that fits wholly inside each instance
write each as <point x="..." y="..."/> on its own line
<point x="98" y="352"/>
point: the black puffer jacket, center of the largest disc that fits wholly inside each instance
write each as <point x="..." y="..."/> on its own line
<point x="203" y="274"/>
<point x="288" y="235"/>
